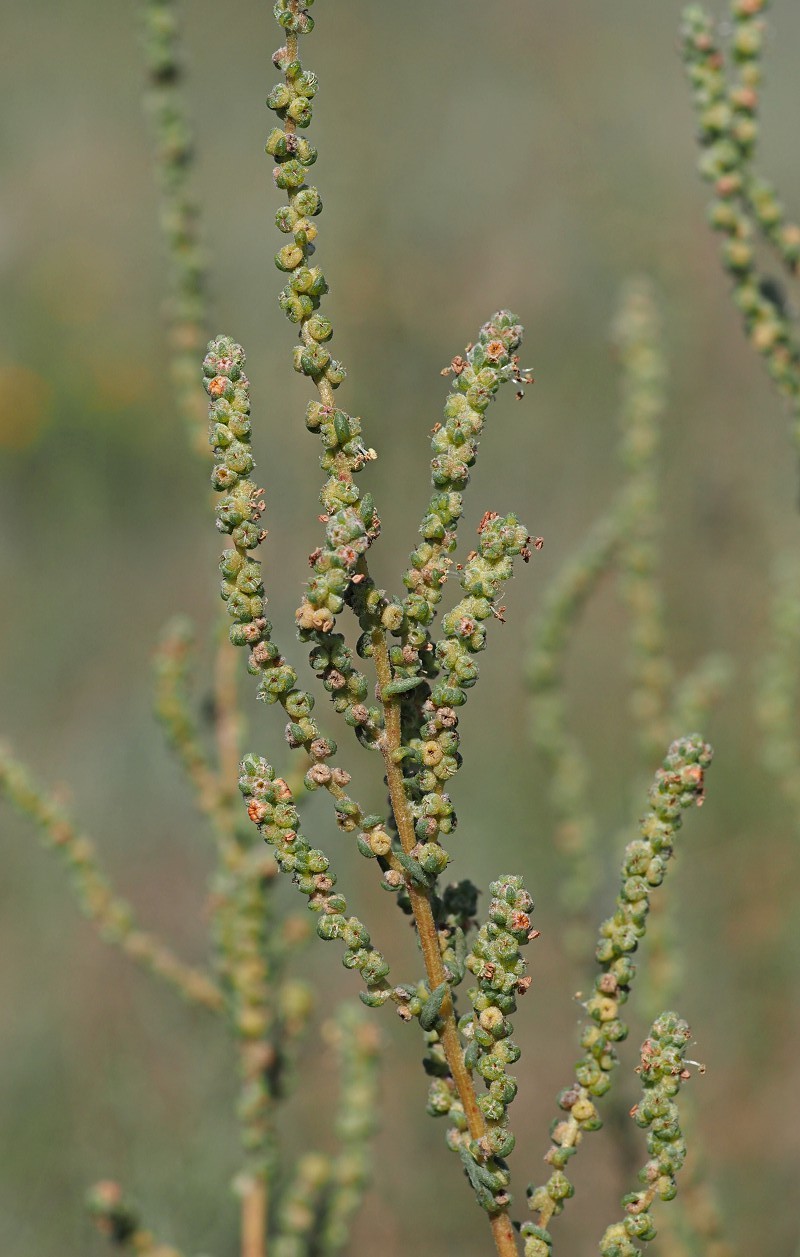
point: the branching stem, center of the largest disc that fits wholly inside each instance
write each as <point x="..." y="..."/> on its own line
<point x="426" y="929"/>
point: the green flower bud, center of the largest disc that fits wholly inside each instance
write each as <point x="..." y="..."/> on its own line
<point x="640" y="1227"/>
<point x="307" y="202"/>
<point x="319" y="328"/>
<point x="493" y="1110"/>
<point x="375" y="969"/>
<point x="279" y="97"/>
<point x="290" y="174"/>
<point x="538" y="1242"/>
<point x="289" y="257"/>
<point x="287" y="219"/>
<point x="306" y="84"/>
<point x="330" y="927"/>
<point x="335" y="373"/>
<point x="279" y="144"/>
<point x="299" y="110"/>
<point x="310" y="281"/>
<point x="433" y="858"/>
<point x="440" y="1097"/>
<point x="300" y="23"/>
<point x="296" y="306"/>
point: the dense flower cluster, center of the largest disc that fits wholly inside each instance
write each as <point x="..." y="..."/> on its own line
<point x="271" y="807"/>
<point x="178" y="212"/>
<point x="352" y="523"/>
<point x="662" y="1071"/>
<point x="239" y="514"/>
<point x="433" y="757"/>
<point x="677" y="786"/>
<point x="744" y="202"/>
<point x="427" y="745"/>
<point x="495" y="960"/>
<point x="292" y="101"/>
<point x="294" y="17"/>
<point x="490" y="362"/>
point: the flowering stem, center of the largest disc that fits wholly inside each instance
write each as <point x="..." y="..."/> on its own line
<point x="179" y="215"/>
<point x="254" y="1218"/>
<point x="390" y="745"/>
<point x="226" y="718"/>
<point x="678" y="784"/>
<point x="173" y="707"/>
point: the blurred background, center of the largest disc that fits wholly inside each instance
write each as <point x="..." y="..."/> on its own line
<point x="472" y="155"/>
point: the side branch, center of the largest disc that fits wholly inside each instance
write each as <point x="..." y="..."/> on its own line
<point x="174" y="710"/>
<point x="113" y="916"/>
<point x="678" y="785"/>
<point x="117" y="1220"/>
<point x="179" y="214"/>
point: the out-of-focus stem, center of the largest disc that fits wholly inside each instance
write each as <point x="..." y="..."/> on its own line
<point x="113" y="916"/>
<point x="175" y="711"/>
<point x="254" y="1218"/>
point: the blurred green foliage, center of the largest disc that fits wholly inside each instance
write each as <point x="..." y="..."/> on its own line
<point x="524" y="154"/>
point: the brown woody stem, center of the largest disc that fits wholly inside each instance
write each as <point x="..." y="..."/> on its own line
<point x="427" y="933"/>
